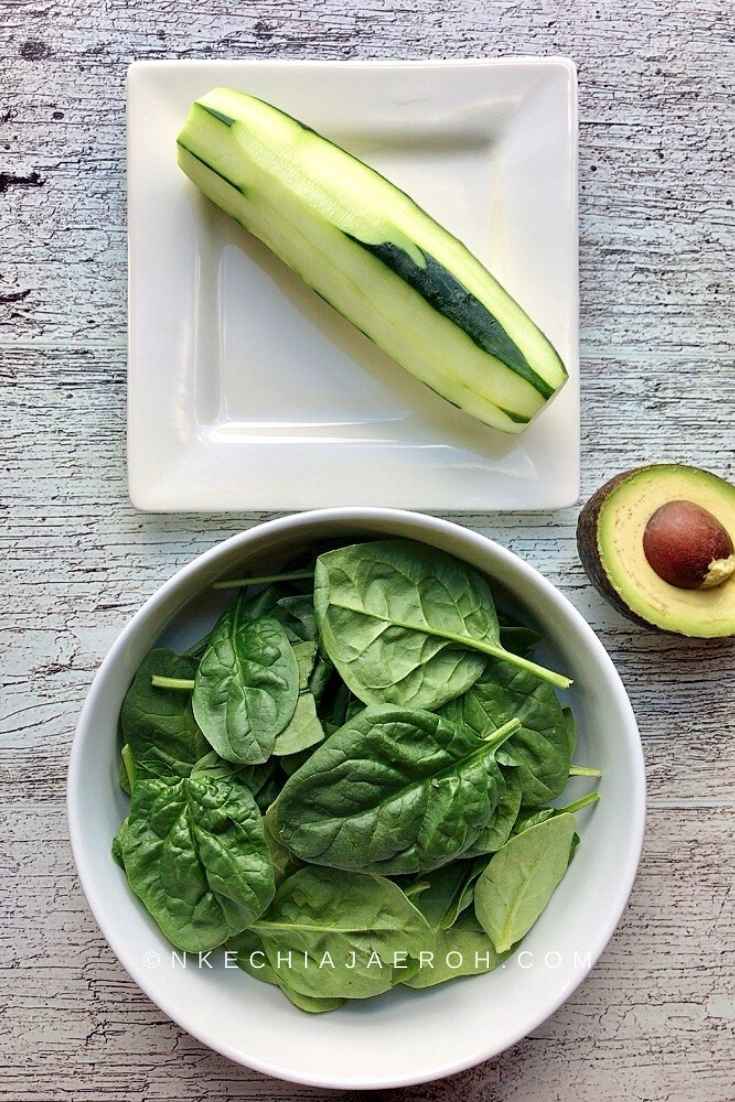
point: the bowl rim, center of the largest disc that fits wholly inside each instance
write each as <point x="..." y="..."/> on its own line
<point x="423" y="524"/>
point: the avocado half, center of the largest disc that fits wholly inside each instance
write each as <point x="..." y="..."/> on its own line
<point x="681" y="519"/>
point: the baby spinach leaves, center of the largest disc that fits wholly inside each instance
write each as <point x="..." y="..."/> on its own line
<point x="374" y="603"/>
<point x="521" y="878"/>
<point x="464" y="893"/>
<point x="463" y="950"/>
<point x="127" y="769"/>
<point x="443" y="891"/>
<point x="498" y="829"/>
<point x="393" y="791"/>
<point x="305" y="654"/>
<point x="258" y="778"/>
<point x="541" y="750"/>
<point x="246" y="687"/>
<point x="116" y="847"/>
<point x="458" y="945"/>
<point x="195" y="854"/>
<point x="158" y="725"/>
<point x="296" y="613"/>
<point x="533" y="818"/>
<point x="407" y="624"/>
<point x="308" y="748"/>
<point x="337" y="706"/>
<point x="249" y="954"/>
<point x="338" y="934"/>
<point x="304" y="729"/>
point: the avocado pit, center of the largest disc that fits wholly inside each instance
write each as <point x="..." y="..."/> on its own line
<point x="688" y="547"/>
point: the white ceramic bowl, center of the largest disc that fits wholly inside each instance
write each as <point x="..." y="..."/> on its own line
<point x="404" y="1037"/>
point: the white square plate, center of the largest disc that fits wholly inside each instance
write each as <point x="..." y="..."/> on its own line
<point x="246" y="391"/>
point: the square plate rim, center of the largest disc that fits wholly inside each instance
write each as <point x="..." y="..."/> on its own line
<point x="146" y="502"/>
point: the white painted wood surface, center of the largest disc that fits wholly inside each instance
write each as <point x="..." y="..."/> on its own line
<point x="655" y="1021"/>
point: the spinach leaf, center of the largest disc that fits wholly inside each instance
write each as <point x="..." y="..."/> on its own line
<point x="196" y="855"/>
<point x="407" y="624"/>
<point x="158" y="725"/>
<point x="127" y="769"/>
<point x="393" y="791"/>
<point x="320" y="677"/>
<point x="291" y="762"/>
<point x="372" y="602"/>
<point x="573" y="848"/>
<point x="296" y="613"/>
<point x="498" y="830"/>
<point x="246" y="686"/>
<point x="459" y="945"/>
<point x="257" y="778"/>
<point x="336" y="707"/>
<point x="305" y="654"/>
<point x="250" y="956"/>
<point x="570" y="726"/>
<point x="525" y="822"/>
<point x="521" y="878"/>
<point x="447" y="891"/>
<point x="116" y="848"/>
<point x="334" y="934"/>
<point x="540" y="750"/>
<point x="264" y="602"/>
<point x="439" y="890"/>
<point x="268" y="793"/>
<point x="515" y="634"/>
<point x="283" y="861"/>
<point x="465" y="893"/>
<point x="303" y="729"/>
<point x="463" y="950"/>
<point x="331" y="714"/>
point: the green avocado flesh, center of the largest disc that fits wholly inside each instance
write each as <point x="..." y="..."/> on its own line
<point x="368" y="250"/>
<point x="621" y="522"/>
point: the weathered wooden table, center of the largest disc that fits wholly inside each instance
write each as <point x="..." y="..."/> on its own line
<point x="655" y="1020"/>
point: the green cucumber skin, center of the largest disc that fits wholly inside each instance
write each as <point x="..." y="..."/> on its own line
<point x="445" y="294"/>
<point x="217" y="115"/>
<point x="210" y="167"/>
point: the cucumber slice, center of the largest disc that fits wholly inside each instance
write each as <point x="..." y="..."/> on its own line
<point x="374" y="255"/>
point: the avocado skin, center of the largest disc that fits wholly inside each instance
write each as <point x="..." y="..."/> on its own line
<point x="590" y="556"/>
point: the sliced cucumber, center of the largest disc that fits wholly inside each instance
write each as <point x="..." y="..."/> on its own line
<point x="374" y="255"/>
